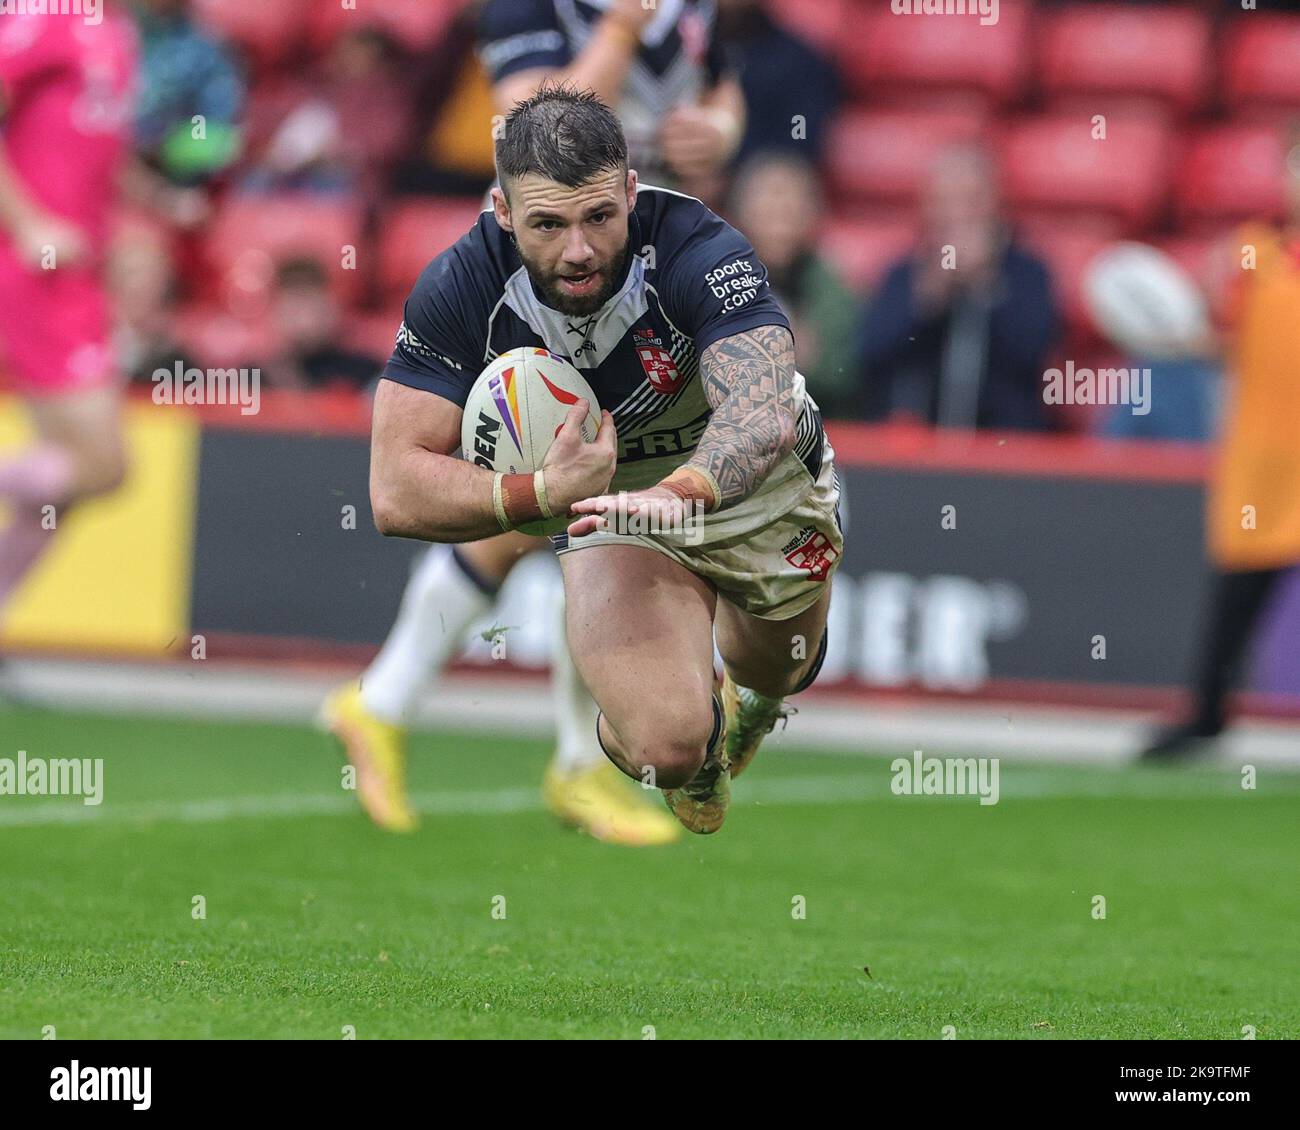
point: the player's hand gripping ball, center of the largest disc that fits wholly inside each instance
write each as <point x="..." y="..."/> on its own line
<point x="514" y="412"/>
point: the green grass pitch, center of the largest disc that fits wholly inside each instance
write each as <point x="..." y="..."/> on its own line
<point x="978" y="918"/>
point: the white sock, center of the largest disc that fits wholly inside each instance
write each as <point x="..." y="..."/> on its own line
<point x="439" y="603"/>
<point x="575" y="710"/>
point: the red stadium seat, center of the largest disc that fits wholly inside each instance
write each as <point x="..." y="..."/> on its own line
<point x="373" y="334"/>
<point x="879" y="48"/>
<point x="864" y="249"/>
<point x="820" y="22"/>
<point x="1261" y="61"/>
<point x="416" y="24"/>
<point x="886" y="154"/>
<point x="1119" y="107"/>
<point x="1193" y="252"/>
<point x="269" y="30"/>
<point x="1159" y="52"/>
<point x="1232" y="172"/>
<point x="413" y="232"/>
<point x="1053" y="162"/>
<point x="251" y="234"/>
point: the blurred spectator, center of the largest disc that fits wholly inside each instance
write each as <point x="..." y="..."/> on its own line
<point x="777" y="202"/>
<point x="65" y="102"/>
<point x="307" y="322"/>
<point x="784" y="79"/>
<point x="142" y="280"/>
<point x="186" y="73"/>
<point x="342" y="125"/>
<point x="958" y="334"/>
<point x="660" y="67"/>
<point x="1252" y="507"/>
<point x="453" y="98"/>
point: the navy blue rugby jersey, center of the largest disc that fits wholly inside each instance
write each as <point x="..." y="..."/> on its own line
<point x="690" y="279"/>
<point x="680" y="58"/>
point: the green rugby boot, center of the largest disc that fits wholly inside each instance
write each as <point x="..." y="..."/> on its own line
<point x="750" y="717"/>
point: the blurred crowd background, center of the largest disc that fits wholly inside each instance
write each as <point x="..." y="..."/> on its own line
<point x="343" y="148"/>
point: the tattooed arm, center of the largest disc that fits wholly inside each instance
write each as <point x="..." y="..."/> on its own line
<point x="749" y="382"/>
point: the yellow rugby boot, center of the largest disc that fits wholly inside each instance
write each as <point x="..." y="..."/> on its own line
<point x="606" y="805"/>
<point x="750" y="718"/>
<point x="700" y="805"/>
<point x="377" y="750"/>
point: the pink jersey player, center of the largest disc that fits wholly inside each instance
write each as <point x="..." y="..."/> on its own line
<point x="66" y="90"/>
<point x="66" y="105"/>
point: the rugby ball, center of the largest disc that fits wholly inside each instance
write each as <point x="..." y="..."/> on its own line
<point x="1144" y="302"/>
<point x="514" y="411"/>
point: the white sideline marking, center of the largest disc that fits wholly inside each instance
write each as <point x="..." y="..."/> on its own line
<point x="1023" y="784"/>
<point x="233" y="692"/>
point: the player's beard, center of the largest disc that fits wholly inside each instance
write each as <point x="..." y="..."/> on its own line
<point x="554" y="296"/>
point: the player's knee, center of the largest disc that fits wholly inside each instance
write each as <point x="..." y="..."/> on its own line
<point x="775" y="683"/>
<point x="675" y="761"/>
<point x="796" y="679"/>
<point x="779" y="683"/>
<point x="114" y="472"/>
<point x="808" y="674"/>
<point x="101" y="468"/>
<point x="676" y="753"/>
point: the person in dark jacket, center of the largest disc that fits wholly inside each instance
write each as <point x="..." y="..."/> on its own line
<point x="958" y="333"/>
<point x="792" y="90"/>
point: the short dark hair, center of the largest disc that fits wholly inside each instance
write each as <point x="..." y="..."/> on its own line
<point x="561" y="133"/>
